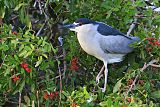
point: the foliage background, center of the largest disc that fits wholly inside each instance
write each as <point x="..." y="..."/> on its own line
<point x="65" y="75"/>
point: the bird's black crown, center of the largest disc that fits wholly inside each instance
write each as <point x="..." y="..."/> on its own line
<point x="83" y="21"/>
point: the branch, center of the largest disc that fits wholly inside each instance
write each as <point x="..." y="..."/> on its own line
<point x="60" y="74"/>
<point x="38" y="99"/>
<point x="151" y="63"/>
<point x="19" y="101"/>
<point x="41" y="28"/>
<point x="64" y="62"/>
<point x="132" y="26"/>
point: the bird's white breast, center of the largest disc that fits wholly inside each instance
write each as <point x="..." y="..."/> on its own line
<point x="89" y="41"/>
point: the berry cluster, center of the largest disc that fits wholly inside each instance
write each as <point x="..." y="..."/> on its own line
<point x="74" y="64"/>
<point x="25" y="67"/>
<point x="50" y="95"/>
<point x="15" y="78"/>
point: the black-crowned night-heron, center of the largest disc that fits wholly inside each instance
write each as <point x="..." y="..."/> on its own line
<point x="102" y="41"/>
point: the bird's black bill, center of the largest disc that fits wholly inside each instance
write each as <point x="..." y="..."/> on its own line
<point x="69" y="26"/>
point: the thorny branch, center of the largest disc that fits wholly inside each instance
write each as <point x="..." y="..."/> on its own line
<point x="151" y="63"/>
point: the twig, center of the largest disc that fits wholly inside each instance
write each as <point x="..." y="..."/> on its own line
<point x="34" y="5"/>
<point x="133" y="84"/>
<point x="64" y="63"/>
<point x="154" y="65"/>
<point x="60" y="96"/>
<point x="41" y="28"/>
<point x="40" y="7"/>
<point x="58" y="76"/>
<point x="46" y="17"/>
<point x="132" y="26"/>
<point x="19" y="101"/>
<point x="142" y="69"/>
<point x="33" y="104"/>
<point x="38" y="98"/>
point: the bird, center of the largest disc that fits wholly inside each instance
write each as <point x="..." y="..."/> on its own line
<point x="103" y="42"/>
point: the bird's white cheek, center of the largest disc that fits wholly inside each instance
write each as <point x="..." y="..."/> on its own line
<point x="83" y="29"/>
<point x="75" y="30"/>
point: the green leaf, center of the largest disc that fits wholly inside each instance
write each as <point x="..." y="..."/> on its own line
<point x="156" y="94"/>
<point x="86" y="93"/>
<point x="58" y="62"/>
<point x="22" y="86"/>
<point x="107" y="103"/>
<point x="65" y="93"/>
<point x="39" y="61"/>
<point x="40" y="41"/>
<point x="21" y="47"/>
<point x="27" y="100"/>
<point x="19" y="6"/>
<point x="103" y="104"/>
<point x="16" y="58"/>
<point x="19" y="87"/>
<point x="28" y="53"/>
<point x="32" y="46"/>
<point x="7" y="71"/>
<point x="53" y="49"/>
<point x="32" y="87"/>
<point x="58" y="7"/>
<point x="117" y="86"/>
<point x="147" y="86"/>
<point x="22" y="53"/>
<point x="45" y="56"/>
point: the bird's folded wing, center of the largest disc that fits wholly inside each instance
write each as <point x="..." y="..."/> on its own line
<point x="117" y="44"/>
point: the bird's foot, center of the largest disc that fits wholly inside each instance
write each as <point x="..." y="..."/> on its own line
<point x="103" y="89"/>
<point x="98" y="78"/>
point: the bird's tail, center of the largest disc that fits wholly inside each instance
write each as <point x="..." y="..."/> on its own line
<point x="135" y="39"/>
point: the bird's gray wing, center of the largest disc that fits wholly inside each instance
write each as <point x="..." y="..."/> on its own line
<point x="117" y="44"/>
<point x="106" y="30"/>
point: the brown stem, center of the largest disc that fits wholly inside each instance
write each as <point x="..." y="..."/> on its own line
<point x="19" y="101"/>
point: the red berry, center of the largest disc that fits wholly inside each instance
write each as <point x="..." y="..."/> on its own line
<point x="56" y="93"/>
<point x="51" y="94"/>
<point x="148" y="49"/>
<point x="14" y="33"/>
<point x="46" y="96"/>
<point x="28" y="70"/>
<point x="24" y="65"/>
<point x="74" y="62"/>
<point x="15" y="78"/>
<point x="74" y="67"/>
<point x="140" y="82"/>
<point x="130" y="81"/>
<point x="73" y="105"/>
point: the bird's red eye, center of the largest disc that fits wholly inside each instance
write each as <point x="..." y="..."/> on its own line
<point x="80" y="23"/>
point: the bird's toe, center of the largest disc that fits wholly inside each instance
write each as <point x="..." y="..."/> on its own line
<point x="98" y="78"/>
<point x="103" y="89"/>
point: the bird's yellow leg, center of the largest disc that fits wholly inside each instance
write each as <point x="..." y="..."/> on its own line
<point x="100" y="74"/>
<point x="105" y="75"/>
